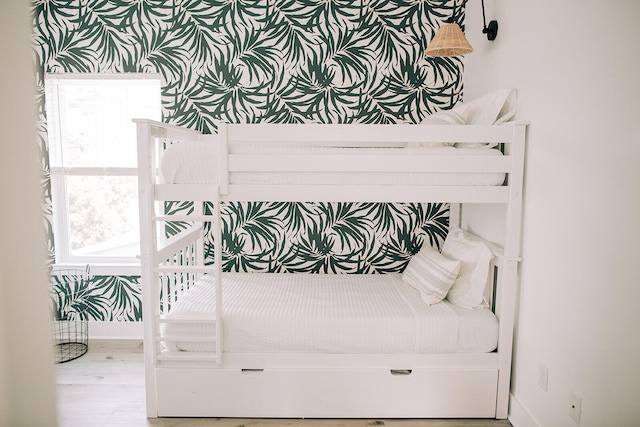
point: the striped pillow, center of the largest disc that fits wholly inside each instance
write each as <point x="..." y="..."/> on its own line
<point x="432" y="274"/>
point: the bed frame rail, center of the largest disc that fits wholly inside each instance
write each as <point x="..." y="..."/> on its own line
<point x="340" y="135"/>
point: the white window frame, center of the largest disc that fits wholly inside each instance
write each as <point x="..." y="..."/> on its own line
<point x="60" y="209"/>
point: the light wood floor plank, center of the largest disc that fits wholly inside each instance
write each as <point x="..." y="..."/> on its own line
<point x="105" y="388"/>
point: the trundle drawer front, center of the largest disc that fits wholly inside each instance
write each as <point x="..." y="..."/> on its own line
<point x="327" y="393"/>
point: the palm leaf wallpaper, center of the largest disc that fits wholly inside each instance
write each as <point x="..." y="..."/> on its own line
<point x="360" y="238"/>
<point x="281" y="61"/>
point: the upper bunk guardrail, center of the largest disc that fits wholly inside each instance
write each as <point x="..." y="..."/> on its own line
<point x="391" y="135"/>
<point x="367" y="135"/>
<point x="352" y="135"/>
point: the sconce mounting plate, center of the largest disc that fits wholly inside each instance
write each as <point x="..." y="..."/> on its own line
<point x="491" y="30"/>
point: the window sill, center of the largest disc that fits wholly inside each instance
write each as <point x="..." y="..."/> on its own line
<point x="105" y="269"/>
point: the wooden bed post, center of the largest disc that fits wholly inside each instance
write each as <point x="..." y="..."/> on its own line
<point x="217" y="251"/>
<point x="509" y="273"/>
<point x="455" y="214"/>
<point x="223" y="156"/>
<point x="146" y="177"/>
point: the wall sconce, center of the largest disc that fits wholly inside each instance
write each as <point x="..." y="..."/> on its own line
<point x="450" y="40"/>
<point x="492" y="29"/>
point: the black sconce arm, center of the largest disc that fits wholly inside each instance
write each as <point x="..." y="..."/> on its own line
<point x="490" y="30"/>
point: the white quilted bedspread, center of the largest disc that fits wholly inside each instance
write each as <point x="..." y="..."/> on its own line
<point x="330" y="313"/>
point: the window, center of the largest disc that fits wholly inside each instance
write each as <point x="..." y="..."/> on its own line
<point x="92" y="153"/>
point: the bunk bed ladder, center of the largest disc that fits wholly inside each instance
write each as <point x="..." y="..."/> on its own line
<point x="165" y="269"/>
<point x="179" y="263"/>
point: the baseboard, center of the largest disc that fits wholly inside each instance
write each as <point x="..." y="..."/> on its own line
<point x="115" y="330"/>
<point x="518" y="415"/>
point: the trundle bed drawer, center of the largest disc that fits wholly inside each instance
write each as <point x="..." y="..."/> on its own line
<point x="327" y="393"/>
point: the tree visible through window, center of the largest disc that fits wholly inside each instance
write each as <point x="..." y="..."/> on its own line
<point x="92" y="150"/>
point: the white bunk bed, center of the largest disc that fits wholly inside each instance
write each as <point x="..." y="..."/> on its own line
<point x="212" y="371"/>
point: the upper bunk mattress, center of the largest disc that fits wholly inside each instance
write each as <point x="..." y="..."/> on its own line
<point x="330" y="313"/>
<point x="197" y="163"/>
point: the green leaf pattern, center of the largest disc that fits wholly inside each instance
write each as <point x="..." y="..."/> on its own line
<point x="109" y="298"/>
<point x="360" y="238"/>
<point x="281" y="61"/>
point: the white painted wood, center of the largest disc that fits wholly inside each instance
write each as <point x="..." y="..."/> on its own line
<point x="170" y="246"/>
<point x="165" y="130"/>
<point x="367" y="163"/>
<point x="355" y="193"/>
<point x="148" y="239"/>
<point x="509" y="279"/>
<point x="191" y="192"/>
<point x="366" y="135"/>
<point x="282" y="385"/>
<point x="454" y="362"/>
<point x="223" y="158"/>
<point x="334" y="193"/>
<point x="326" y="393"/>
<point x="455" y="211"/>
<point x="217" y="255"/>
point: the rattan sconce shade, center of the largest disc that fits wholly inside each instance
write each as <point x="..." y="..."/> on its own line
<point x="449" y="41"/>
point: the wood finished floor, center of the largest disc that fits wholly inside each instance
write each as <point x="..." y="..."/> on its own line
<point x="105" y="388"/>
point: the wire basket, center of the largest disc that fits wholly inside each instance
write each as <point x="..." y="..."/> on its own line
<point x="70" y="326"/>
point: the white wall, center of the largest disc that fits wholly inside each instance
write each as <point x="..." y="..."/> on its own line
<point x="27" y="393"/>
<point x="575" y="64"/>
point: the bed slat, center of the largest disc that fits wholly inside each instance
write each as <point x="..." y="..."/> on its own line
<point x="191" y="356"/>
<point x="355" y="193"/>
<point x="185" y="338"/>
<point x="366" y="134"/>
<point x="367" y="163"/>
<point x="186" y="320"/>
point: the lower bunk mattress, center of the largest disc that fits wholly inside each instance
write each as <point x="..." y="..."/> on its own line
<point x="327" y="314"/>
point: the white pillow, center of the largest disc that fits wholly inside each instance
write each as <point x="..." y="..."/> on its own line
<point x="448" y="117"/>
<point x="431" y="273"/>
<point x="474" y="257"/>
<point x="491" y="109"/>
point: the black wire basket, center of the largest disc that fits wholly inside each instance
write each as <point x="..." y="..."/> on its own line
<point x="70" y="326"/>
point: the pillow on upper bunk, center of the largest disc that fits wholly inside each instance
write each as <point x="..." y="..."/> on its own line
<point x="475" y="258"/>
<point x="491" y="109"/>
<point x="431" y="273"/>
<point x="447" y="117"/>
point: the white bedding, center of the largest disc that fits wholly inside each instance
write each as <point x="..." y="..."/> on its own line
<point x="196" y="162"/>
<point x="332" y="313"/>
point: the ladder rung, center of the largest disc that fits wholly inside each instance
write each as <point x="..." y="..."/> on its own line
<point x="187" y="355"/>
<point x="178" y="338"/>
<point x="186" y="320"/>
<point x="185" y="269"/>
